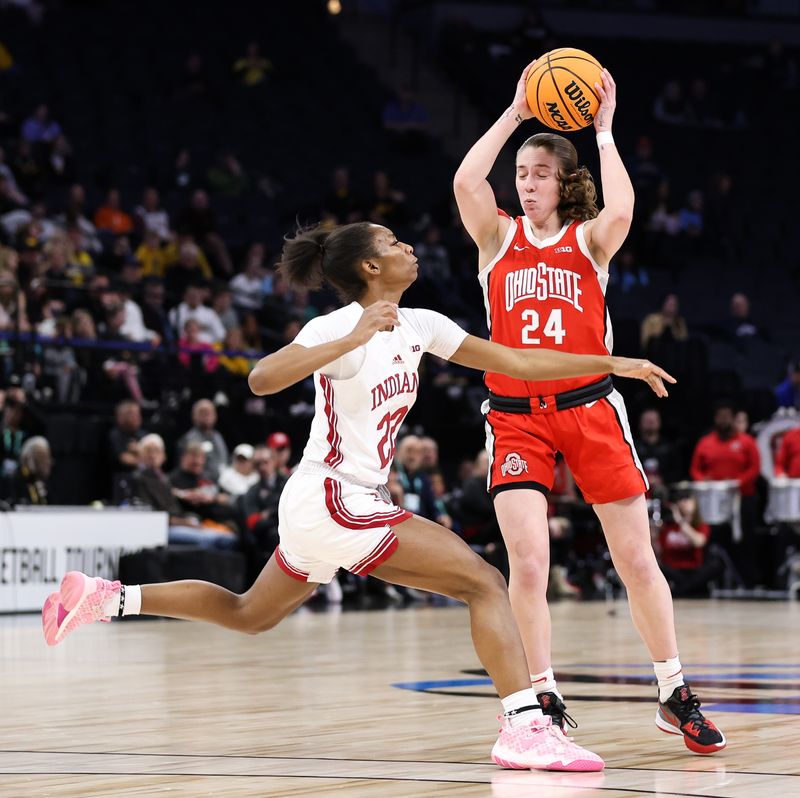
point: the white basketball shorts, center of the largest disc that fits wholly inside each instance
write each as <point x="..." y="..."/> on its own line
<point x="325" y="523"/>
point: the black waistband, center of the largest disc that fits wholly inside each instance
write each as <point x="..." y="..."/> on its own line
<point x="579" y="396"/>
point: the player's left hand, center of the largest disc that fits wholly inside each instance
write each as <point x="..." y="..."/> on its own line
<point x="608" y="101"/>
<point x="639" y="369"/>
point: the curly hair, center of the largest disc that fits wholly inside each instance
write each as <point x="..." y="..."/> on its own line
<point x="578" y="193"/>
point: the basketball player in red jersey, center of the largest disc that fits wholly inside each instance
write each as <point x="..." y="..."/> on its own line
<point x="544" y="276"/>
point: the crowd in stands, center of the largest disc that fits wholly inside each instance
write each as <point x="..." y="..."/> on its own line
<point x="138" y="299"/>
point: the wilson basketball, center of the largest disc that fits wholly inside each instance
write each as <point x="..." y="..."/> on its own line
<point x="560" y="89"/>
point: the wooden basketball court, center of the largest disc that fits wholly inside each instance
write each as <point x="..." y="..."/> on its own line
<point x="384" y="703"/>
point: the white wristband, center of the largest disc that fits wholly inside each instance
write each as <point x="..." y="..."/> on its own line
<point x="604" y="137"/>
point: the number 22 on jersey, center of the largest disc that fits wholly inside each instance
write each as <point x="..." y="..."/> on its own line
<point x="390" y="423"/>
<point x="553" y="327"/>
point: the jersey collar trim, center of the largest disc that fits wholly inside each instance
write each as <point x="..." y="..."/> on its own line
<point x="547" y="242"/>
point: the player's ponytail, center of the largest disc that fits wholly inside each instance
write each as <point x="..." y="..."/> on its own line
<point x="578" y="192"/>
<point x="320" y="254"/>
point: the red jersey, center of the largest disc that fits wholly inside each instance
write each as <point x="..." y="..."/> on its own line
<point x="547" y="294"/>
<point x="677" y="551"/>
<point x="734" y="458"/>
<point x="787" y="461"/>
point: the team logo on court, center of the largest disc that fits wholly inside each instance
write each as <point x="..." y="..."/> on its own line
<point x="514" y="465"/>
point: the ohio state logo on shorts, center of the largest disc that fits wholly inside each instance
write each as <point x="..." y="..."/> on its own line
<point x="514" y="465"/>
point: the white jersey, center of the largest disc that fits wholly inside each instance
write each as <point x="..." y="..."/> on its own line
<point x="363" y="396"/>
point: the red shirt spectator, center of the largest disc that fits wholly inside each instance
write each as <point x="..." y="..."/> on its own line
<point x="726" y="454"/>
<point x="787" y="460"/>
<point x="111" y="218"/>
<point x="677" y="550"/>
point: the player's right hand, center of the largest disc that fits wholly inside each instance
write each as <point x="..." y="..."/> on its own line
<point x="639" y="369"/>
<point x="379" y="315"/>
<point x="520" y="104"/>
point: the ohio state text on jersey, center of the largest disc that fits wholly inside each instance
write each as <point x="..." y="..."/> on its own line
<point x="546" y="294"/>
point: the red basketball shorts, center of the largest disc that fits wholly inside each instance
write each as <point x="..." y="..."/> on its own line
<point x="594" y="438"/>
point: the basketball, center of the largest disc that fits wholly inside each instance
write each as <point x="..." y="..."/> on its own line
<point x="560" y="89"/>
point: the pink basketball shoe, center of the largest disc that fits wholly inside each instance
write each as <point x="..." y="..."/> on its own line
<point x="539" y="745"/>
<point x="79" y="601"/>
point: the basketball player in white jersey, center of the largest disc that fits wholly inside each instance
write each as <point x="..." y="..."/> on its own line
<point x="335" y="511"/>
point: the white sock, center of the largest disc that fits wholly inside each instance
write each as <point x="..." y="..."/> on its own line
<point x="516" y="701"/>
<point x="670" y="675"/>
<point x="545" y="682"/>
<point x="133" y="602"/>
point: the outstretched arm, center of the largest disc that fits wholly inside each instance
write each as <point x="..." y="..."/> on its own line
<point x="606" y="234"/>
<point x="547" y="364"/>
<point x="474" y="195"/>
<point x="294" y="362"/>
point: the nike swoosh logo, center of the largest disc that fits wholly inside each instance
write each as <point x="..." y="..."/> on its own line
<point x="519" y="249"/>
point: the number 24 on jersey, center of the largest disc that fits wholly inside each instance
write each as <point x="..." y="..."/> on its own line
<point x="553" y="327"/>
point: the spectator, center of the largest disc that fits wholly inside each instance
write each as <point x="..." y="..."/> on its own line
<point x="740" y="325"/>
<point x="29" y="484"/>
<point x="690" y="217"/>
<point x="27" y="169"/>
<point x="151" y="217"/>
<point x="787" y="460"/>
<point x="629" y="274"/>
<point x="701" y="107"/>
<point x="726" y="453"/>
<point x="238" y="477"/>
<point x="419" y="498"/>
<point x="60" y="365"/>
<point x="151" y="255"/>
<point x="194" y="82"/>
<point x="184" y="178"/>
<point x="110" y="218"/>
<point x="124" y="437"/>
<point x="252" y="68"/>
<point x="191" y="345"/>
<point x="154" y="315"/>
<point x="281" y="445"/>
<point x="185" y="264"/>
<point x="646" y="174"/>
<point x="251" y="333"/>
<point x="236" y="365"/>
<point x="787" y="393"/>
<point x="13" y="305"/>
<point x="211" y="328"/>
<point x="387" y="205"/>
<point x="659" y="456"/>
<point x="199" y="495"/>
<point x="153" y="488"/>
<point x="260" y="504"/>
<point x="434" y="260"/>
<point x="40" y="127"/>
<point x="11" y="181"/>
<point x="14" y="429"/>
<point x="341" y="202"/>
<point x="681" y="545"/>
<point x="670" y="105"/>
<point x="60" y="163"/>
<point x="666" y="322"/>
<point x="199" y="221"/>
<point x="75" y="215"/>
<point x="429" y="454"/>
<point x="227" y="176"/>
<point x="204" y="421"/>
<point x="741" y="421"/>
<point x="222" y="305"/>
<point x="250" y="285"/>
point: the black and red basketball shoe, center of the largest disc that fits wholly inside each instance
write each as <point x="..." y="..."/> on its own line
<point x="680" y="714"/>
<point x="554" y="708"/>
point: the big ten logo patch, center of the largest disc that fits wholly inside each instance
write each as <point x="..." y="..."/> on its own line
<point x="513" y="465"/>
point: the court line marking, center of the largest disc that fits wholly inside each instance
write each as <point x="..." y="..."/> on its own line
<point x="352" y="759"/>
<point x="358" y="778"/>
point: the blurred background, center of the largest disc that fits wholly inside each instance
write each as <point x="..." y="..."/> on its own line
<point x="153" y="155"/>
